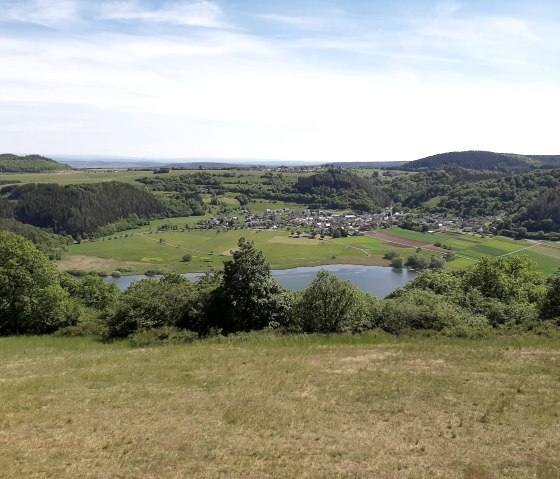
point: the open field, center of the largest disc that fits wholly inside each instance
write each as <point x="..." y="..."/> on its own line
<point x="208" y="248"/>
<point x="338" y="407"/>
<point x="97" y="176"/>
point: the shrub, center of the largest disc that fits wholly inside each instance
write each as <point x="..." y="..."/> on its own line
<point x="148" y="304"/>
<point x="163" y="335"/>
<point x="416" y="309"/>
<point x="330" y="305"/>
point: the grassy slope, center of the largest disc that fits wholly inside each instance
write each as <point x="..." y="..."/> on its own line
<point x="339" y="407"/>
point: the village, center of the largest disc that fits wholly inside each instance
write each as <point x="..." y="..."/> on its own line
<point x="310" y="223"/>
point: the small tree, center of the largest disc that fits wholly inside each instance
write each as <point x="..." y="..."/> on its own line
<point x="397" y="263"/>
<point x="187" y="258"/>
<point x="249" y="298"/>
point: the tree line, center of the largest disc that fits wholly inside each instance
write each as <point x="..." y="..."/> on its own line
<point x="78" y="210"/>
<point x="494" y="294"/>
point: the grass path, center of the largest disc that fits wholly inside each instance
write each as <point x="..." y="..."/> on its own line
<point x="348" y="246"/>
<point x="519" y="250"/>
<point x="173" y="245"/>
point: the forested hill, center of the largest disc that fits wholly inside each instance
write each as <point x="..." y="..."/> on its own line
<point x="484" y="160"/>
<point x="338" y="188"/>
<point x="77" y="210"/>
<point x="28" y="164"/>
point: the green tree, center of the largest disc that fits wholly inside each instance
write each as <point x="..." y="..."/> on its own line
<point x="330" y="305"/>
<point x="31" y="298"/>
<point x="397" y="263"/>
<point x="92" y="290"/>
<point x="550" y="307"/>
<point x="249" y="297"/>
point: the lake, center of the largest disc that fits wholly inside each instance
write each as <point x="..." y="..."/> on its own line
<point x="378" y="280"/>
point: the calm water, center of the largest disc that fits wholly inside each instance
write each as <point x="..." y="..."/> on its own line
<point x="378" y="280"/>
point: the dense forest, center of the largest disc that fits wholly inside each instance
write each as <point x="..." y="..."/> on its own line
<point x="28" y="164"/>
<point x="339" y="188"/>
<point x="484" y="160"/>
<point x="523" y="200"/>
<point x="490" y="297"/>
<point x="78" y="210"/>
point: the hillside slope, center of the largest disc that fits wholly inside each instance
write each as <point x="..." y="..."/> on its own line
<point x="28" y="164"/>
<point x="484" y="160"/>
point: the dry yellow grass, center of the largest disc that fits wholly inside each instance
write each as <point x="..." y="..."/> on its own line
<point x="280" y="408"/>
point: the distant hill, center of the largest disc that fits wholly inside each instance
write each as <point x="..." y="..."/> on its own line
<point x="368" y="164"/>
<point x="28" y="164"/>
<point x="484" y="160"/>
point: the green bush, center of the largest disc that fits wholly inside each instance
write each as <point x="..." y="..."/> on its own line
<point x="149" y="304"/>
<point x="163" y="335"/>
<point x="416" y="309"/>
<point x="330" y="305"/>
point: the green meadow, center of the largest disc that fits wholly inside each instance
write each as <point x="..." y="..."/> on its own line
<point x="263" y="406"/>
<point x="143" y="250"/>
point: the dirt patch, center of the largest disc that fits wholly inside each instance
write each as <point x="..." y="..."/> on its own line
<point x="547" y="249"/>
<point x="404" y="243"/>
<point x="298" y="241"/>
<point x="94" y="263"/>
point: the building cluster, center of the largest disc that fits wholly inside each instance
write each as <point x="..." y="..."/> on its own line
<point x="305" y="221"/>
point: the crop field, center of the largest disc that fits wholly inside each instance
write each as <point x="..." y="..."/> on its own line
<point x="470" y="248"/>
<point x="263" y="406"/>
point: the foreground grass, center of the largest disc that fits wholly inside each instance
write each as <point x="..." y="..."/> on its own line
<point x="341" y="407"/>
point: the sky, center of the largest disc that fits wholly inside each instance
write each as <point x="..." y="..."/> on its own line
<point x="294" y="80"/>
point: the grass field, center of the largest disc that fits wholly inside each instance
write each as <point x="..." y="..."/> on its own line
<point x="209" y="249"/>
<point x="338" y="407"/>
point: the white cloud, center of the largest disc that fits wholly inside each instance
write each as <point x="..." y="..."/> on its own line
<point x="199" y="13"/>
<point x="220" y="92"/>
<point x="446" y="8"/>
<point x="300" y="22"/>
<point x="41" y="12"/>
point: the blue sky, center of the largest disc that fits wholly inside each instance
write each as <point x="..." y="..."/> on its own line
<point x="313" y="80"/>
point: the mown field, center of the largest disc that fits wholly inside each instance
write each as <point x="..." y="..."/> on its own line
<point x="209" y="249"/>
<point x="270" y="407"/>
